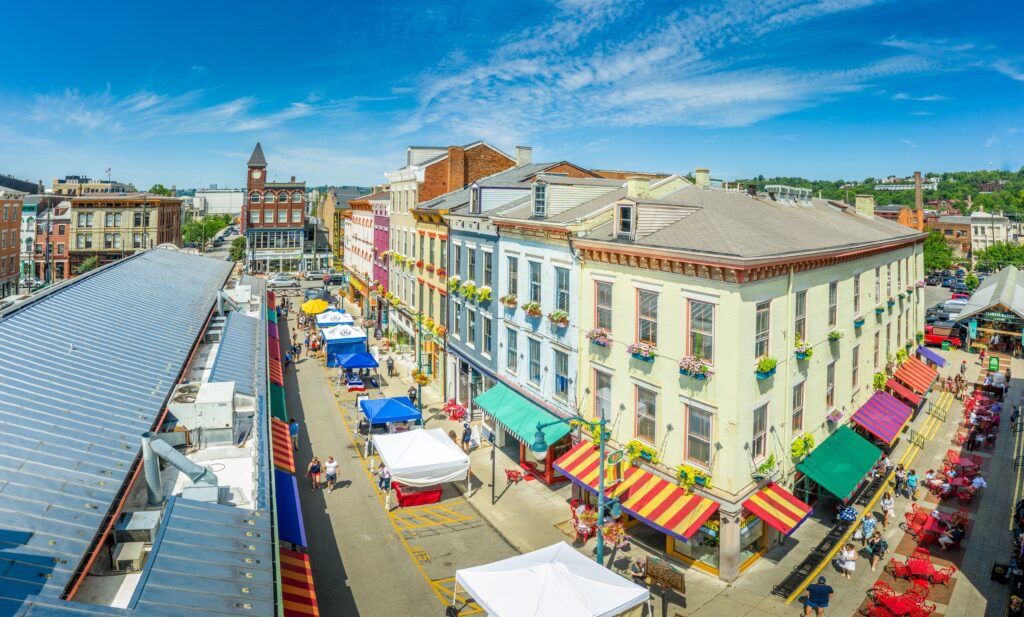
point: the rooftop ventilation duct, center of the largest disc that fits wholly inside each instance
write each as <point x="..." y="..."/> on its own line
<point x="223" y="298"/>
<point x="153" y="448"/>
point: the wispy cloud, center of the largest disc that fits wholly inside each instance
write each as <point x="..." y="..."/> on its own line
<point x="907" y="142"/>
<point x="922" y="113"/>
<point x="903" y="96"/>
<point x="1008" y="69"/>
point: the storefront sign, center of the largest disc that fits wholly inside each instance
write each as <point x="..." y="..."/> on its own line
<point x="973" y="329"/>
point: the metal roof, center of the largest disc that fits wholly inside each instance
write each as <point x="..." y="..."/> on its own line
<point x="235" y="359"/>
<point x="1004" y="288"/>
<point x="85" y="368"/>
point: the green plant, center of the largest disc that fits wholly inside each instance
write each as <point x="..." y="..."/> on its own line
<point x="802" y="445"/>
<point x="767" y="466"/>
<point x="533" y="309"/>
<point x="636" y="449"/>
<point x="919" y="335"/>
<point x="468" y="289"/>
<point x="766" y="364"/>
<point x="559" y="317"/>
<point x="901" y="356"/>
<point x="803" y="347"/>
<point x="878" y="381"/>
<point x="453" y="282"/>
<point x="688" y="475"/>
<point x="835" y="334"/>
<point x="483" y="294"/>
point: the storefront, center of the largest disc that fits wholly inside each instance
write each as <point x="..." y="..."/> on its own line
<point x="995" y="314"/>
<point x="357" y="290"/>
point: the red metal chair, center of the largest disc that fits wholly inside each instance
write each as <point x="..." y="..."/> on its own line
<point x="897" y="569"/>
<point x="920" y="588"/>
<point x="967" y="494"/>
<point x="924" y="610"/>
<point x="877" y="610"/>
<point x="952" y="457"/>
<point x="942" y="575"/>
<point x="959" y="439"/>
<point x="881" y="589"/>
<point x="977" y="460"/>
<point x="921" y="553"/>
<point x="513" y="476"/>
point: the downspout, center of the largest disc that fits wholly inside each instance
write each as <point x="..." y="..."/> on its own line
<point x="153" y="447"/>
<point x="224" y="299"/>
<point x="789" y="376"/>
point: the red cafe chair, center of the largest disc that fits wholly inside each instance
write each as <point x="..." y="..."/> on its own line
<point x="920" y="589"/>
<point x="881" y="589"/>
<point x="942" y="575"/>
<point x="897" y="569"/>
<point x="877" y="610"/>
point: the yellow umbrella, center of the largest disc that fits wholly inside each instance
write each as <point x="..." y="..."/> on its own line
<point x="314" y="307"/>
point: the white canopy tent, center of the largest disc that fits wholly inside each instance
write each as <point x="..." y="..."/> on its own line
<point x="556" y="581"/>
<point x="422" y="457"/>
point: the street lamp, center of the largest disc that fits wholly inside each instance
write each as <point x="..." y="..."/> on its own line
<point x="539" y="448"/>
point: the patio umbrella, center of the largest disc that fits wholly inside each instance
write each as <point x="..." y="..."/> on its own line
<point x="314" y="307"/>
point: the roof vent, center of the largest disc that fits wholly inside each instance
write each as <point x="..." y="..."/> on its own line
<point x="788" y="194"/>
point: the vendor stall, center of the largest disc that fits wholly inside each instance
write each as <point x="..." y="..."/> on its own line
<point x="341" y="340"/>
<point x="334" y="317"/>
<point x="995" y="313"/>
<point x="419" y="462"/>
<point x="556" y="580"/>
<point x="841" y="463"/>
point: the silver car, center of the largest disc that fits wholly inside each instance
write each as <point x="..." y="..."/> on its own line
<point x="284" y="280"/>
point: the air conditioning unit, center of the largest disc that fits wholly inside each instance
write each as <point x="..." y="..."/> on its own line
<point x="129" y="557"/>
<point x="140" y="526"/>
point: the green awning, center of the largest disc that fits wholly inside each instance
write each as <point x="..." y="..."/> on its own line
<point x="519" y="414"/>
<point x="841" y="462"/>
<point x="272" y="315"/>
<point x="277" y="408"/>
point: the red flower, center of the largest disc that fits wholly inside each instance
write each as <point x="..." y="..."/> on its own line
<point x="419" y="264"/>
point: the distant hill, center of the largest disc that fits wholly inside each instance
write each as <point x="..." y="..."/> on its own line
<point x="952" y="185"/>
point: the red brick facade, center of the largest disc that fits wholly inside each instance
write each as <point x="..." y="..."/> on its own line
<point x="55" y="231"/>
<point x="10" y="245"/>
<point x="461" y="167"/>
<point x="272" y="205"/>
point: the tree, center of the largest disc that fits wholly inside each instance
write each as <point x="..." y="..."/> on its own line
<point x="972" y="282"/>
<point x="159" y="189"/>
<point x="90" y="263"/>
<point x="199" y="231"/>
<point x="937" y="254"/>
<point x="1000" y="255"/>
<point x="238" y="249"/>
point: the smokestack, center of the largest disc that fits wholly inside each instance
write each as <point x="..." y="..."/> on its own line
<point x="918" y="195"/>
<point x="293" y="179"/>
<point x="702" y="176"/>
<point x="865" y="205"/>
<point x="638" y="187"/>
<point x="524" y="155"/>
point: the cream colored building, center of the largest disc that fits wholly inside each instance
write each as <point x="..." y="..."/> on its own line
<point x="82" y="185"/>
<point x="730" y="277"/>
<point x="110" y="226"/>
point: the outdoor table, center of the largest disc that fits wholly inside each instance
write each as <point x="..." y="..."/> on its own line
<point x="901" y="605"/>
<point x="931" y="531"/>
<point x="921" y="568"/>
<point x="414" y="496"/>
<point x="958" y="483"/>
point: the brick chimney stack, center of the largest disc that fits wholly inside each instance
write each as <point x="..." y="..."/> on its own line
<point x="456" y="167"/>
<point x="918" y="201"/>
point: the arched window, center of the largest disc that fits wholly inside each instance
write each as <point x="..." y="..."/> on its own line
<point x="254" y="197"/>
<point x="297" y="197"/>
<point x="282" y="197"/>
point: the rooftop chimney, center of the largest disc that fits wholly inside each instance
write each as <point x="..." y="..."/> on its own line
<point x="752" y="190"/>
<point x="702" y="176"/>
<point x="524" y="155"/>
<point x="174" y="190"/>
<point x="293" y="179"/>
<point x="865" y="205"/>
<point x="638" y="187"/>
<point x="456" y="167"/>
<point x="918" y="196"/>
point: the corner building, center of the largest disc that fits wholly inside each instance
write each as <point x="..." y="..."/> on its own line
<point x="273" y="219"/>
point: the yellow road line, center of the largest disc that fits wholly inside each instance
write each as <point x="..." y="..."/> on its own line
<point x="931" y="425"/>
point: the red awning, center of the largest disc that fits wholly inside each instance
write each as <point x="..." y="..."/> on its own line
<point x="903" y="392"/>
<point x="297" y="589"/>
<point x="271" y="300"/>
<point x="779" y="508"/>
<point x="282" y="442"/>
<point x="276" y="375"/>
<point x="916" y="374"/>
<point x="274" y="346"/>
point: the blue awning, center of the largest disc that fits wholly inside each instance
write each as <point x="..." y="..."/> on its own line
<point x="384" y="410"/>
<point x="289" y="512"/>
<point x="355" y="360"/>
<point x="932" y="356"/>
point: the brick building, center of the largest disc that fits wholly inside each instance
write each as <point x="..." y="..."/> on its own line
<point x="957" y="232"/>
<point x="273" y="219"/>
<point x="51" y="254"/>
<point x="10" y="239"/>
<point x="110" y="226"/>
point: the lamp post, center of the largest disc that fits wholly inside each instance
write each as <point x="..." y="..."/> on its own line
<point x="539" y="447"/>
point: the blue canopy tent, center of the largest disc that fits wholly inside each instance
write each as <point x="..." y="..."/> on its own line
<point x="353" y="360"/>
<point x="384" y="411"/>
<point x="342" y="340"/>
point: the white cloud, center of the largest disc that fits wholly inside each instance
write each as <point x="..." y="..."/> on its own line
<point x="903" y="96"/>
<point x="1009" y="70"/>
<point x="909" y="143"/>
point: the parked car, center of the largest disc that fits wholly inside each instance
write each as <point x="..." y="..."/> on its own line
<point x="282" y="280"/>
<point x="959" y="295"/>
<point x="933" y="279"/>
<point x="30" y="283"/>
<point x="960" y="288"/>
<point x="948" y="281"/>
<point x="337" y="278"/>
<point x="944" y="331"/>
<point x="313" y="275"/>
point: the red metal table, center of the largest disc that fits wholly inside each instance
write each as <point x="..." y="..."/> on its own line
<point x="920" y="568"/>
<point x="931" y="531"/>
<point x="902" y="604"/>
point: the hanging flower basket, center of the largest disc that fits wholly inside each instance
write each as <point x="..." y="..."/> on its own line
<point x="441" y="272"/>
<point x="802" y="445"/>
<point x="879" y="309"/>
<point x="419" y="263"/>
<point x="835" y="416"/>
<point x="641" y="351"/>
<point x="420" y="378"/>
<point x="509" y="301"/>
<point x="835" y="334"/>
<point x="440" y="330"/>
<point x="533" y="310"/>
<point x="559" y="318"/>
<point x="468" y="289"/>
<point x="430" y="267"/>
<point x="891" y="301"/>
<point x="483" y="293"/>
<point x="694" y="367"/>
<point x="920" y="284"/>
<point x="765" y="469"/>
<point x="599" y="337"/>
<point x="919" y="336"/>
<point x="765" y="367"/>
<point x="803" y="349"/>
<point x="637" y="449"/>
<point x="453" y="282"/>
<point x="689" y="475"/>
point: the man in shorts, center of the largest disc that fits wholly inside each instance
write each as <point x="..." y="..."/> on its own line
<point x="331" y="470"/>
<point x="818" y="596"/>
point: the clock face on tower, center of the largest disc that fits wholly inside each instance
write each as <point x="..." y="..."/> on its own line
<point x="257" y="174"/>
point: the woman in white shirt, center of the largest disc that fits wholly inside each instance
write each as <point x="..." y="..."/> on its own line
<point x="888" y="509"/>
<point x="847" y="561"/>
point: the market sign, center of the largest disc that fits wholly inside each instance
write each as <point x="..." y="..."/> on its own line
<point x="973" y="327"/>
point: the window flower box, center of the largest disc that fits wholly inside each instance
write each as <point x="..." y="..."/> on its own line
<point x="637" y="449"/>
<point x="858" y="321"/>
<point x="834" y="416"/>
<point x="509" y="300"/>
<point x="599" y="337"/>
<point x="879" y="309"/>
<point x="468" y="289"/>
<point x="429" y="267"/>
<point x="835" y="334"/>
<point x="641" y="351"/>
<point x="419" y="263"/>
<point x="689" y="475"/>
<point x="533" y="310"/>
<point x="803" y="350"/>
<point x="891" y="301"/>
<point x="765" y="367"/>
<point x="694" y="367"/>
<point x="766" y="469"/>
<point x="559" y="318"/>
<point x="483" y="293"/>
<point x="453" y="282"/>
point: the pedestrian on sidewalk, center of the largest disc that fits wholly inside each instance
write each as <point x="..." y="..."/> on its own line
<point x="412" y="394"/>
<point x="383" y="478"/>
<point x="912" y="484"/>
<point x="981" y="357"/>
<point x="818" y="596"/>
<point x="867" y="528"/>
<point x="391" y="366"/>
<point x="331" y="468"/>
<point x="963" y="368"/>
<point x="287" y="360"/>
<point x="877" y="547"/>
<point x="901" y="478"/>
<point x="293" y="430"/>
<point x="313" y="471"/>
<point x="847" y="561"/>
<point x="467" y="437"/>
<point x="888" y="509"/>
<point x="306" y="343"/>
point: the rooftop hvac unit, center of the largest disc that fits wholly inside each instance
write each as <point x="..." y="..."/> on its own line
<point x="206" y="405"/>
<point x="129" y="556"/>
<point x="185" y="393"/>
<point x="137" y="527"/>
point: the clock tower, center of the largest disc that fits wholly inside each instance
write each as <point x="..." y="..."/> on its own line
<point x="255" y="182"/>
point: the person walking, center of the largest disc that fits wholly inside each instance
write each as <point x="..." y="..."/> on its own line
<point x="877" y="547"/>
<point x="331" y="470"/>
<point x="901" y="478"/>
<point x="818" y="596"/>
<point x="383" y="478"/>
<point x="888" y="509"/>
<point x="391" y="366"/>
<point x="313" y="471"/>
<point x="981" y="356"/>
<point x="293" y="430"/>
<point x="306" y="344"/>
<point x="912" y="484"/>
<point x="412" y="394"/>
<point x="867" y="528"/>
<point x="467" y="437"/>
<point x="847" y="561"/>
<point x="963" y="368"/>
<point x="287" y="359"/>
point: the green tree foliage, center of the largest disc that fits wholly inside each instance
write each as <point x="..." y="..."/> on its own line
<point x="1000" y="255"/>
<point x="159" y="189"/>
<point x="198" y="231"/>
<point x="972" y="282"/>
<point x="238" y="249"/>
<point x="937" y="254"/>
<point x="90" y="263"/>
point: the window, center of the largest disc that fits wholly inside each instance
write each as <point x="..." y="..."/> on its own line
<point x="888" y="340"/>
<point x="759" y="441"/>
<point x="39" y="247"/>
<point x="444" y="255"/>
<point x="512" y="349"/>
<point x="602" y="395"/>
<point x="430" y="303"/>
<point x="513" y="275"/>
<point x="646" y="414"/>
<point x="603" y="305"/>
<point x="833" y="301"/>
<point x="625" y="229"/>
<point x="562" y="289"/>
<point x="702" y="330"/>
<point x="488" y="268"/>
<point x="534" y="352"/>
<point x="830" y="385"/>
<point x="136" y="240"/>
<point x="282" y="197"/>
<point x="561" y="375"/>
<point x="111" y="241"/>
<point x="423" y="239"/>
<point x="457" y="256"/>
<point x="540" y="200"/>
<point x="797" y="418"/>
<point x="457" y="311"/>
<point x="899" y="275"/>
<point x="762" y="322"/>
<point x="534" y="281"/>
<point x="433" y="242"/>
<point x="899" y="327"/>
<point x="698" y="435"/>
<point x="471" y="327"/>
<point x="878" y="285"/>
<point x="888" y="280"/>
<point x="254" y="217"/>
<point x="84" y="219"/>
<point x="282" y="216"/>
<point x="470" y="263"/>
<point x="443" y="305"/>
<point x="800" y="323"/>
<point x="855" y="372"/>
<point x="296" y="216"/>
<point x="112" y="220"/>
<point x="647" y="316"/>
<point x="296" y="198"/>
<point x="83" y="241"/>
<point x="487" y="334"/>
<point x="878" y="348"/>
<point x="856" y="294"/>
<point x="60" y="230"/>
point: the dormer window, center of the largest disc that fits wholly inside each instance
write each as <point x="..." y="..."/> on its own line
<point x="474" y="201"/>
<point x="540" y="200"/>
<point x="626" y="223"/>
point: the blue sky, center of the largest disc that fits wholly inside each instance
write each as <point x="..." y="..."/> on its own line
<point x="180" y="92"/>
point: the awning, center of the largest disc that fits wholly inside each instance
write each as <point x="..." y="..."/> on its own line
<point x="272" y="315"/>
<point x="357" y="284"/>
<point x="422" y="457"/>
<point x="282" y="442"/>
<point x="519" y="414"/>
<point x="274" y="348"/>
<point x="271" y="300"/>
<point x="289" y="512"/>
<point x="355" y="360"/>
<point x="903" y="392"/>
<point x="884" y="416"/>
<point x="916" y="374"/>
<point x="779" y="508"/>
<point x="333" y="317"/>
<point x="384" y="410"/>
<point x="297" y="590"/>
<point x="659" y="503"/>
<point x="272" y="331"/>
<point x="932" y="356"/>
<point x="276" y="375"/>
<point x="277" y="406"/>
<point x="840" y="462"/>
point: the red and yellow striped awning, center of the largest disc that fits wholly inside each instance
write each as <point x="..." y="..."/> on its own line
<point x="297" y="585"/>
<point x="271" y="300"/>
<point x="276" y="374"/>
<point x="903" y="392"/>
<point x="778" y="507"/>
<point x="659" y="503"/>
<point x="916" y="374"/>
<point x="281" y="440"/>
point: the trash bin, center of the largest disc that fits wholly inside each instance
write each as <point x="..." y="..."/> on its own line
<point x="993" y="364"/>
<point x="945" y="345"/>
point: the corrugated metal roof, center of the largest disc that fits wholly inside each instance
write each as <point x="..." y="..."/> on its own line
<point x="84" y="370"/>
<point x="236" y="354"/>
<point x="1004" y="288"/>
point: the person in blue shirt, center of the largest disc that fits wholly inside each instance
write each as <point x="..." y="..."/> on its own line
<point x="818" y="596"/>
<point x="293" y="430"/>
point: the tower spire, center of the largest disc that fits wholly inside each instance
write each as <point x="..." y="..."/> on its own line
<point x="257" y="159"/>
